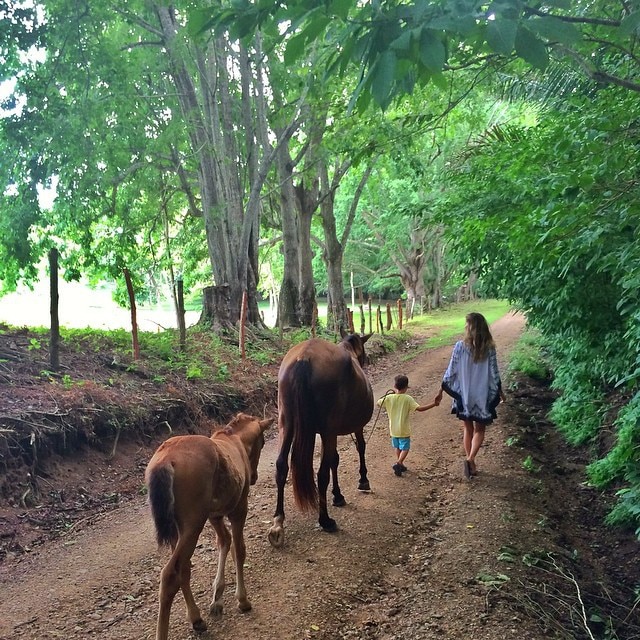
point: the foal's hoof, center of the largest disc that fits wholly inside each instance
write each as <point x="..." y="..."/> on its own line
<point x="339" y="502"/>
<point x="244" y="606"/>
<point x="276" y="537"/>
<point x="216" y="609"/>
<point x="329" y="525"/>
<point x="364" y="486"/>
<point x="199" y="626"/>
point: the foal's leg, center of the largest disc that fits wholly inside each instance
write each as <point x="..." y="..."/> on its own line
<point x="177" y="575"/>
<point x="361" y="445"/>
<point x="276" y="533"/>
<point x="223" y="540"/>
<point x="327" y="460"/>
<point x="240" y="555"/>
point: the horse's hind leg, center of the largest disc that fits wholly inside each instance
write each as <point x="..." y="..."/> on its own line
<point x="175" y="575"/>
<point x="361" y="445"/>
<point x="223" y="540"/>
<point x="240" y="553"/>
<point x="327" y="461"/>
<point x="276" y="533"/>
<point x="338" y="498"/>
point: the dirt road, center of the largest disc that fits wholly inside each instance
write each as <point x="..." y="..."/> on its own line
<point x="418" y="540"/>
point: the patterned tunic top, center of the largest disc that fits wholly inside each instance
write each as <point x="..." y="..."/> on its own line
<point x="474" y="386"/>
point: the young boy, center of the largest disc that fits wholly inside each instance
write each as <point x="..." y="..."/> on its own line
<point x="398" y="405"/>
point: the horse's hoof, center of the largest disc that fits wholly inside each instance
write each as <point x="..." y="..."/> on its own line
<point x="276" y="537"/>
<point x="199" y="626"/>
<point x="244" y="606"/>
<point x="339" y="502"/>
<point x="329" y="525"/>
<point x="216" y="609"/>
<point x="364" y="486"/>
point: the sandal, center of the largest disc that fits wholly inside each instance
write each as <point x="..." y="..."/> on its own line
<point x="467" y="469"/>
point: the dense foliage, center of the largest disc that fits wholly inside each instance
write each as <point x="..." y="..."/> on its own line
<point x="550" y="216"/>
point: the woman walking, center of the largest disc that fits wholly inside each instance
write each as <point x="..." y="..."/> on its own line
<point x="473" y="381"/>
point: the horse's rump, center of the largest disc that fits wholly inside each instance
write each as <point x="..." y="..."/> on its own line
<point x="301" y="412"/>
<point x="162" y="502"/>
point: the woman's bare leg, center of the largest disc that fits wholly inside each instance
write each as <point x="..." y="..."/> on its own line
<point x="467" y="436"/>
<point x="476" y="442"/>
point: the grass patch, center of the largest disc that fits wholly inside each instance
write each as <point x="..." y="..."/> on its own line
<point x="446" y="325"/>
<point x="528" y="356"/>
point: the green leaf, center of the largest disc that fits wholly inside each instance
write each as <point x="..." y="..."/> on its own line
<point x="463" y="25"/>
<point x="432" y="51"/>
<point x="630" y="24"/>
<point x="341" y="8"/>
<point x="501" y="35"/>
<point x="295" y="48"/>
<point x="315" y="27"/>
<point x="531" y="48"/>
<point x="200" y="20"/>
<point x="383" y="78"/>
<point x="403" y="42"/>
<point x="553" y="29"/>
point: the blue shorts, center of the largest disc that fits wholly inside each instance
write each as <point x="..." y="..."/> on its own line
<point x="404" y="444"/>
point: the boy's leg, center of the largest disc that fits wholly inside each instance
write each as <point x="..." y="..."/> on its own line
<point x="404" y="452"/>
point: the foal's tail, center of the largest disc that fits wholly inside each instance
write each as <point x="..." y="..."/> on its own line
<point x="161" y="500"/>
<point x="302" y="413"/>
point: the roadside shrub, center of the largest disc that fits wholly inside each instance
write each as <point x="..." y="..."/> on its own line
<point x="528" y="356"/>
<point x="623" y="462"/>
<point x="577" y="414"/>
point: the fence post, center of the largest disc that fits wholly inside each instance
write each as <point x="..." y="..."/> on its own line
<point x="243" y="320"/>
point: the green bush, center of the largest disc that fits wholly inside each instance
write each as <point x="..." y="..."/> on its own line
<point x="528" y="356"/>
<point x="623" y="461"/>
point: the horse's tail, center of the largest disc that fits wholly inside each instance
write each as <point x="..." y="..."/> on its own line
<point x="301" y="412"/>
<point x="162" y="501"/>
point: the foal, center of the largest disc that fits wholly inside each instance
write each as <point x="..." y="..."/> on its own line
<point x="192" y="479"/>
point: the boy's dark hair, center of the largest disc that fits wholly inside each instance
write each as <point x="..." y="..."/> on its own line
<point x="401" y="382"/>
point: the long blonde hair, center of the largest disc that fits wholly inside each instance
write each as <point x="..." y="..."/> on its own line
<point x="477" y="336"/>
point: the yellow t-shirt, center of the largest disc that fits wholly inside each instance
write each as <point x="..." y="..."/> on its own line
<point x="399" y="406"/>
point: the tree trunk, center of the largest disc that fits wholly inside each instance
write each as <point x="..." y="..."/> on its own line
<point x="290" y="287"/>
<point x="233" y="154"/>
<point x="215" y="308"/>
<point x="307" y="204"/>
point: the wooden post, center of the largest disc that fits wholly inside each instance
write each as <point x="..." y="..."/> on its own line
<point x="379" y="320"/>
<point x="388" y="316"/>
<point x="314" y="318"/>
<point x="135" y="343"/>
<point x="399" y="314"/>
<point x="362" y="325"/>
<point x="54" y="337"/>
<point x="350" y="320"/>
<point x="370" y="317"/>
<point x="243" y="321"/>
<point x="182" y="326"/>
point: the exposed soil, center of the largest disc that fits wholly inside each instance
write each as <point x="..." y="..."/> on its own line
<point x="520" y="551"/>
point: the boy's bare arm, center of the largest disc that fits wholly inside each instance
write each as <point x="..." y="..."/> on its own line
<point x="426" y="407"/>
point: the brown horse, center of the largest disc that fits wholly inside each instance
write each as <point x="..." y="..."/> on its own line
<point x="192" y="479"/>
<point x="323" y="390"/>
